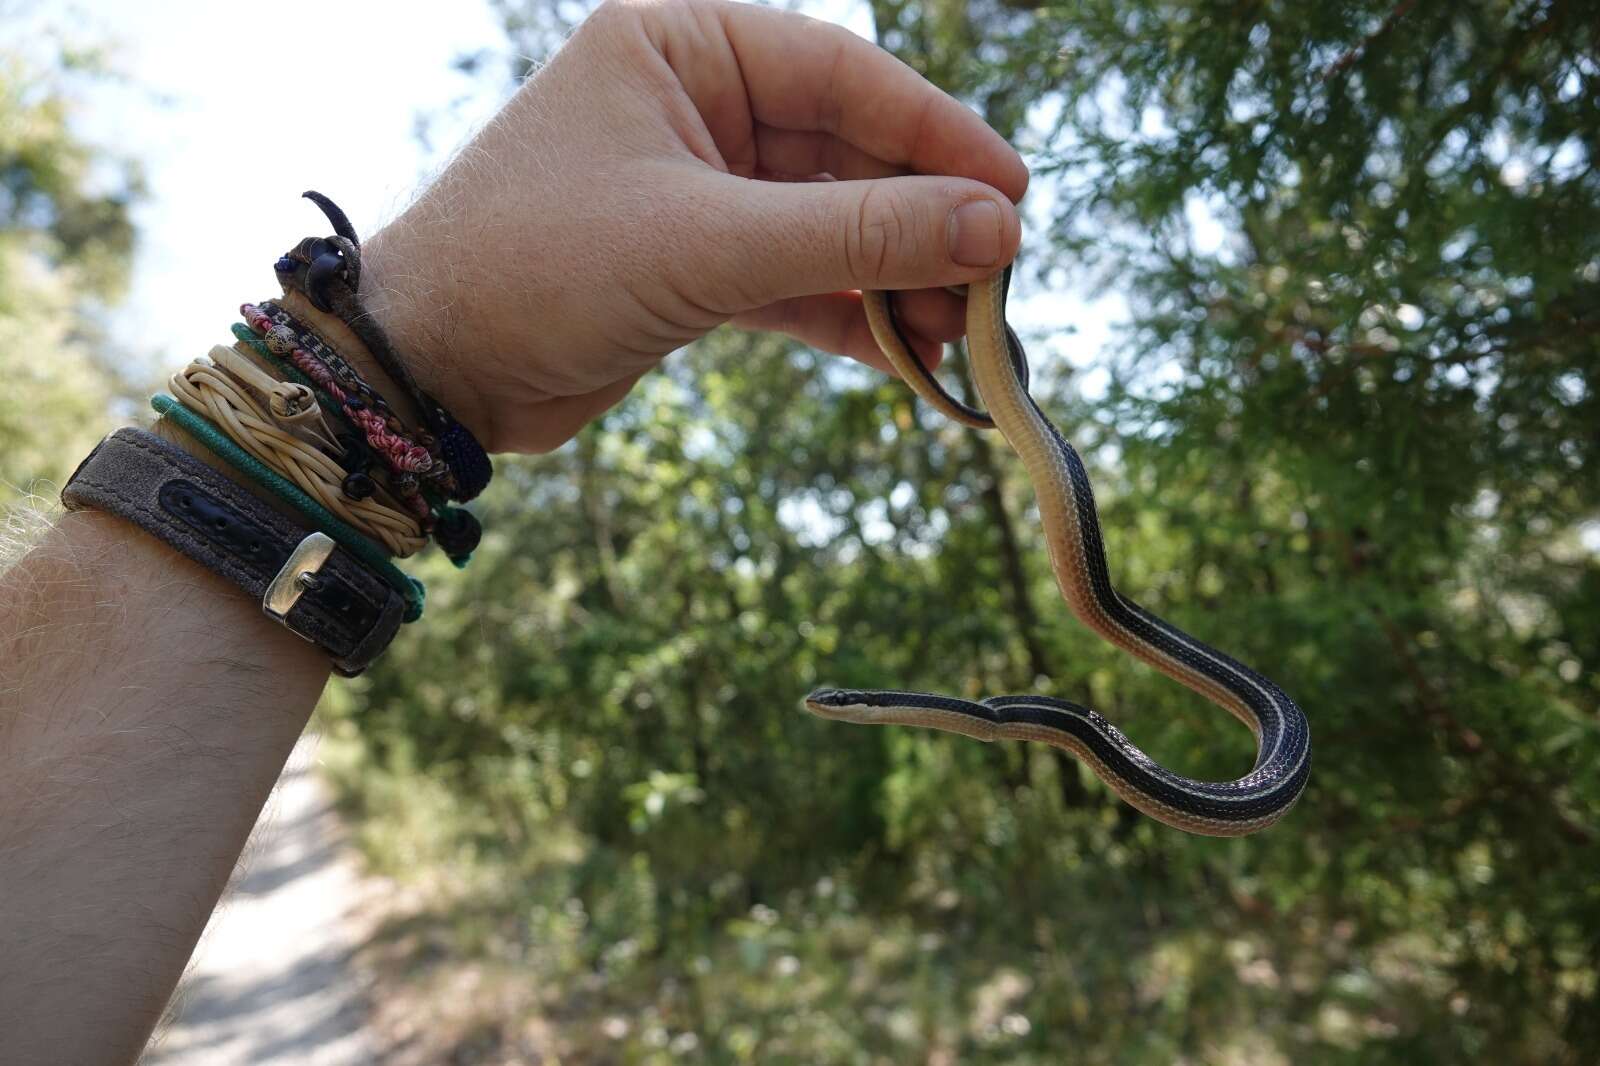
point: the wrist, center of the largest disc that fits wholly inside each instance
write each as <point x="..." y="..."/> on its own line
<point x="421" y="317"/>
<point x="321" y="585"/>
<point x="101" y="566"/>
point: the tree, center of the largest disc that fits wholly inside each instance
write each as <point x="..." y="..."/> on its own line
<point x="1350" y="437"/>
<point x="65" y="246"/>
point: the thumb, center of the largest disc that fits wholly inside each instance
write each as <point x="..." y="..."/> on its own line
<point x="916" y="232"/>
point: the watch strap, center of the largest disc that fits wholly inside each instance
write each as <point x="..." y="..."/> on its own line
<point x="302" y="579"/>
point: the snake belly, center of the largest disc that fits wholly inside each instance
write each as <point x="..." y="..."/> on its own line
<point x="1077" y="558"/>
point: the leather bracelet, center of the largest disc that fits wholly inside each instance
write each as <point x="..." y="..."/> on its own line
<point x="302" y="579"/>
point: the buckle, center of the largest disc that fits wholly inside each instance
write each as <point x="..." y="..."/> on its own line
<point x="298" y="576"/>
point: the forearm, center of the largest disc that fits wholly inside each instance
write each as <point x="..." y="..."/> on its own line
<point x="146" y="708"/>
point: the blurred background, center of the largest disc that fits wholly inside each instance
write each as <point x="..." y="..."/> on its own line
<point x="1315" y="287"/>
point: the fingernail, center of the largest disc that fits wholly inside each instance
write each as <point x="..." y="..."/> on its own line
<point x="974" y="234"/>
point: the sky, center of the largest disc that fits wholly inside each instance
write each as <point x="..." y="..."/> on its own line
<point x="233" y="109"/>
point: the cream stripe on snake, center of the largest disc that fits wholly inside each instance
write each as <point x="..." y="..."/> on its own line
<point x="1077" y="558"/>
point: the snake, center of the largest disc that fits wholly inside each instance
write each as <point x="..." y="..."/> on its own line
<point x="1076" y="547"/>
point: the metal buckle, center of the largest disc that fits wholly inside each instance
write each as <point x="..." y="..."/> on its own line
<point x="299" y="575"/>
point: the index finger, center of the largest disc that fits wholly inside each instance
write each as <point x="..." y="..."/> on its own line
<point x="802" y="74"/>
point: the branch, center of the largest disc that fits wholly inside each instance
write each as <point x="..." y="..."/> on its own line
<point x="1345" y="62"/>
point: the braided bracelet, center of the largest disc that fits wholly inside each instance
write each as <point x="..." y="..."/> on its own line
<point x="327" y="271"/>
<point x="357" y="457"/>
<point x="208" y="390"/>
<point x="294" y="407"/>
<point x="410" y="454"/>
<point x="328" y="340"/>
<point x="454" y="529"/>
<point x="403" y="458"/>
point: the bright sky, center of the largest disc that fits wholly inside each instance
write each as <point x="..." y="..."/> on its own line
<point x="235" y="108"/>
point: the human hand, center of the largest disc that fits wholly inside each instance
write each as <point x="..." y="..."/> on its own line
<point x="651" y="183"/>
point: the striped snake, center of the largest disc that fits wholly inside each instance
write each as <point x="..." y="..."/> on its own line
<point x="1077" y="557"/>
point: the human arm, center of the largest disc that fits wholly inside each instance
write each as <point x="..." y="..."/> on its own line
<point x="612" y="212"/>
<point x="148" y="709"/>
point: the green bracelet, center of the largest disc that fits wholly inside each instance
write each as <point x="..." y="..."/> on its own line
<point x="366" y="550"/>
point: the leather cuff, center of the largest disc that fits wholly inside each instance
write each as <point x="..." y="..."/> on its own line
<point x="302" y="579"/>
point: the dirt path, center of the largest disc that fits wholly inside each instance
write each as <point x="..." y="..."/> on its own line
<point x="272" y="981"/>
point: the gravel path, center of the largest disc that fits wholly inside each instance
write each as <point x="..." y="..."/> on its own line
<point x="271" y="982"/>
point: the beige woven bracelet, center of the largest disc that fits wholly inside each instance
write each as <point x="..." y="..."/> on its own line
<point x="210" y="390"/>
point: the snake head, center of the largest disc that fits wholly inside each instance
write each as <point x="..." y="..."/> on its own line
<point x="862" y="707"/>
<point x="839" y="704"/>
<point x="891" y="707"/>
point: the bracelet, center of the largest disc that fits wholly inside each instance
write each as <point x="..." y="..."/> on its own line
<point x="356" y="458"/>
<point x="407" y="457"/>
<point x="213" y="438"/>
<point x="454" y="529"/>
<point x="208" y="390"/>
<point x="293" y="407"/>
<point x="303" y="580"/>
<point x="327" y="271"/>
<point x="288" y="409"/>
<point x="403" y="458"/>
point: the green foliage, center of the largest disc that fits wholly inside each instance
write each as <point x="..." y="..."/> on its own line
<point x="1352" y="441"/>
<point x="65" y="243"/>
